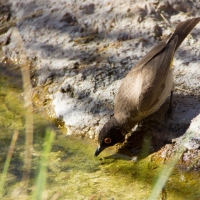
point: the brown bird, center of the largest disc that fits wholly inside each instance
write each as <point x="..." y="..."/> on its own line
<point x="145" y="87"/>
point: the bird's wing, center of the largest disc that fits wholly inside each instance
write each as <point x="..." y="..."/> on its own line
<point x="155" y="50"/>
<point x="154" y="75"/>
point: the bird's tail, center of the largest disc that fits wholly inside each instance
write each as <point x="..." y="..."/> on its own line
<point x="183" y="29"/>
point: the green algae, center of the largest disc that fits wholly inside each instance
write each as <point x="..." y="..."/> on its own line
<point x="72" y="170"/>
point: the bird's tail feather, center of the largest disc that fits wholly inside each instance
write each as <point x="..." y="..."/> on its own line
<point x="183" y="29"/>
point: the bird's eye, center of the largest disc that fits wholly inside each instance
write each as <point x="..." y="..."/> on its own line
<point x="107" y="140"/>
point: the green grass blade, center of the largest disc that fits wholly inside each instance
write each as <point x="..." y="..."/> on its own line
<point x="41" y="179"/>
<point x="7" y="163"/>
<point x="164" y="176"/>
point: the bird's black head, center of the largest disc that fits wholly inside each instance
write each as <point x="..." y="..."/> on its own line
<point x="109" y="135"/>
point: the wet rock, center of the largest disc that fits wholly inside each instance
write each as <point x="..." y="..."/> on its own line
<point x="191" y="139"/>
<point x="186" y="146"/>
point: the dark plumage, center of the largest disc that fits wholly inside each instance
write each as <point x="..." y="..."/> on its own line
<point x="145" y="88"/>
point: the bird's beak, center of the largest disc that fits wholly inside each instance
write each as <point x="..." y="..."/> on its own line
<point x="98" y="150"/>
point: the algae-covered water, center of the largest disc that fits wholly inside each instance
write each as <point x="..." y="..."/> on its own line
<point x="72" y="171"/>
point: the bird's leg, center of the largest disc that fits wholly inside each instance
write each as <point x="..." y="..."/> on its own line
<point x="169" y="112"/>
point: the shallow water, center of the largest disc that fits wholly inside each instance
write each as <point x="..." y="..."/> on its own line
<point x="73" y="172"/>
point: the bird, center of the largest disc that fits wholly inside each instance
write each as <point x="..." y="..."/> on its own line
<point x="145" y="88"/>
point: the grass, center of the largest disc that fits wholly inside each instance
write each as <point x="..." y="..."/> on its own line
<point x="7" y="163"/>
<point x="42" y="175"/>
<point x="164" y="176"/>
